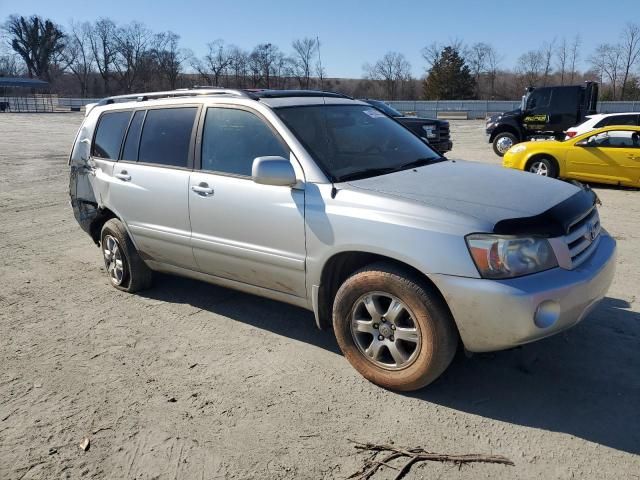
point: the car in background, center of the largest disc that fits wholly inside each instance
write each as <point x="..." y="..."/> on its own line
<point x="601" y="120"/>
<point x="606" y="155"/>
<point x="435" y="131"/>
<point x="545" y="112"/>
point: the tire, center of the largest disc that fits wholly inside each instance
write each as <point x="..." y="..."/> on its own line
<point x="502" y="142"/>
<point x="434" y="337"/>
<point x="543" y="166"/>
<point x="118" y="250"/>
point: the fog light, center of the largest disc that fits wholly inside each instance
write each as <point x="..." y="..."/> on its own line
<point x="547" y="314"/>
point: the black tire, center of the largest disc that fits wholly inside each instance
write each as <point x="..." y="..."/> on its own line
<point x="438" y="336"/>
<point x="547" y="163"/>
<point x="503" y="135"/>
<point x="135" y="274"/>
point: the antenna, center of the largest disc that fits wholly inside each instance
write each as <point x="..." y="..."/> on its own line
<point x="320" y="72"/>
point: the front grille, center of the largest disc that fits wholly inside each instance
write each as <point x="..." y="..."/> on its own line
<point x="443" y="132"/>
<point x="583" y="237"/>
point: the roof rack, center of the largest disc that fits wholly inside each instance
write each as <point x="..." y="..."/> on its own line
<point x="268" y="93"/>
<point x="181" y="92"/>
<point x="254" y="94"/>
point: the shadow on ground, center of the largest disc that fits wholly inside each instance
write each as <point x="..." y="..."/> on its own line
<point x="584" y="382"/>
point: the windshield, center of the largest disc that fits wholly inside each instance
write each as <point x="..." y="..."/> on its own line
<point x="392" y="112"/>
<point x="355" y="141"/>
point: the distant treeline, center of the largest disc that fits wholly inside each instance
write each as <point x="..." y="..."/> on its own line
<point x="94" y="59"/>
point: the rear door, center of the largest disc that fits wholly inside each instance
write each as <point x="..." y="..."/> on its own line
<point x="241" y="230"/>
<point x="151" y="180"/>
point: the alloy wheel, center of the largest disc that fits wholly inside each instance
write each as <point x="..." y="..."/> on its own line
<point x="113" y="259"/>
<point x="385" y="331"/>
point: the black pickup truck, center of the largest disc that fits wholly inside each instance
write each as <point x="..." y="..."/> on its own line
<point x="544" y="112"/>
<point x="435" y="131"/>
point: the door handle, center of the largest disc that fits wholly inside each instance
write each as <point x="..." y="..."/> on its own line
<point x="203" y="189"/>
<point x="123" y="176"/>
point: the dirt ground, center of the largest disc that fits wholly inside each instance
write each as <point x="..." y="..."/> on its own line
<point x="188" y="380"/>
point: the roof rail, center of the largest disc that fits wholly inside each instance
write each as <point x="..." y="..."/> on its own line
<point x="181" y="92"/>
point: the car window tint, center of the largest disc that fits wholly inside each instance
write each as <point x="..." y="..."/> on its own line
<point x="109" y="134"/>
<point x="618" y="120"/>
<point x="130" y="151"/>
<point x="233" y="138"/>
<point x="166" y="136"/>
<point x="617" y="139"/>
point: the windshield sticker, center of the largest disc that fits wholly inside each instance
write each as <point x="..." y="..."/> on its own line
<point x="373" y="113"/>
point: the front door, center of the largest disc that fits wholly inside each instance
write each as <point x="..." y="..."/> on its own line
<point x="612" y="156"/>
<point x="242" y="230"/>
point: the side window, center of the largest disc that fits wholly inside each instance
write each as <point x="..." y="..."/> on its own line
<point x="616" y="139"/>
<point x="132" y="142"/>
<point x="108" y="139"/>
<point x="166" y="136"/>
<point x="232" y="139"/>
<point x="539" y="98"/>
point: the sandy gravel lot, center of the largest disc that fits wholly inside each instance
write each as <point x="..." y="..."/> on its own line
<point x="188" y="380"/>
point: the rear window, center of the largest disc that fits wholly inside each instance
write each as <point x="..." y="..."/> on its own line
<point x="618" y="120"/>
<point x="108" y="139"/>
<point x="166" y="136"/>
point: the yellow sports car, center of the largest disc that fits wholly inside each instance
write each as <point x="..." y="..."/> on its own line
<point x="606" y="155"/>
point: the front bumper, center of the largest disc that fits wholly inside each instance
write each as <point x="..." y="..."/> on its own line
<point x="498" y="314"/>
<point x="442" y="146"/>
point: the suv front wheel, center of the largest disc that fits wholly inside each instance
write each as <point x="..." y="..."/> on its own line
<point x="125" y="268"/>
<point x="393" y="328"/>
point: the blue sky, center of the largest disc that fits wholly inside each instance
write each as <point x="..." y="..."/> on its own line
<point x="355" y="32"/>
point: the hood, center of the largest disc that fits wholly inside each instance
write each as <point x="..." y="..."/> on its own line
<point x="486" y="193"/>
<point x="512" y="113"/>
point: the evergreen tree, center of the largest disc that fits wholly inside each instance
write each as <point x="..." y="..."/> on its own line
<point x="449" y="78"/>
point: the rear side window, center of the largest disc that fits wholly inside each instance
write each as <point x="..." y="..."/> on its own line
<point x="232" y="139"/>
<point x="618" y="120"/>
<point x="166" y="136"/>
<point x="109" y="134"/>
<point x="130" y="150"/>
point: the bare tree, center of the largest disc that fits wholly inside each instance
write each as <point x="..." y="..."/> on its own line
<point x="394" y="70"/>
<point x="546" y="53"/>
<point x="132" y="55"/>
<point x="239" y="66"/>
<point x="217" y="60"/>
<point x="563" y="56"/>
<point x="77" y="54"/>
<point x="103" y="49"/>
<point x="574" y="54"/>
<point x="630" y="49"/>
<point x="607" y="61"/>
<point x="477" y="57"/>
<point x="530" y="67"/>
<point x="493" y="63"/>
<point x="39" y="42"/>
<point x="264" y="57"/>
<point x="168" y="56"/>
<point x="304" y="54"/>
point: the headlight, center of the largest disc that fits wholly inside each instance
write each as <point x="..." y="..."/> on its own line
<point x="430" y="130"/>
<point x="518" y="148"/>
<point x="498" y="256"/>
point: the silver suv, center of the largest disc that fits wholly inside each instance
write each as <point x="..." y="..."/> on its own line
<point x="324" y="202"/>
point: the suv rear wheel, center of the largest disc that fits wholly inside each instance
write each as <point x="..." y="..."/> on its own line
<point x="393" y="328"/>
<point x="125" y="268"/>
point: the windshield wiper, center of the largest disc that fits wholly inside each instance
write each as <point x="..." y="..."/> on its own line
<point x="369" y="172"/>
<point x="419" y="163"/>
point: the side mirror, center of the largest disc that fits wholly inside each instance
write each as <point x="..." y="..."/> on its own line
<point x="273" y="171"/>
<point x="587" y="142"/>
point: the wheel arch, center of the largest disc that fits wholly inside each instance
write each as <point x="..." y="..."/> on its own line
<point x="506" y="128"/>
<point x="537" y="156"/>
<point x="340" y="266"/>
